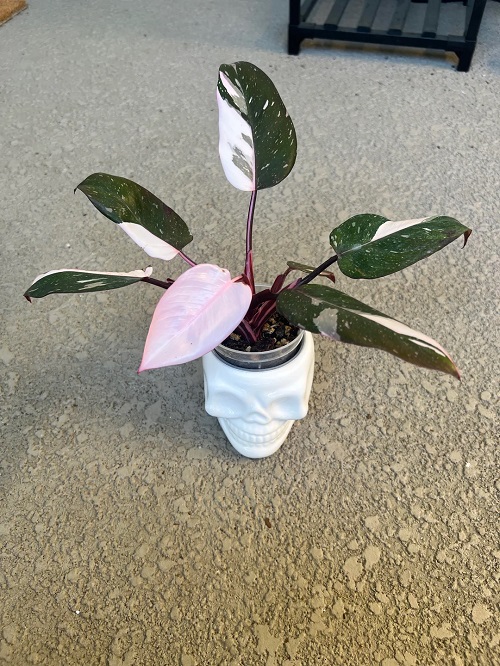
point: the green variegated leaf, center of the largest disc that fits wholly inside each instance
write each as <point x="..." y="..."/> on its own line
<point x="309" y="269"/>
<point x="257" y="141"/>
<point x="72" y="280"/>
<point x="155" y="227"/>
<point x="371" y="246"/>
<point x="338" y="316"/>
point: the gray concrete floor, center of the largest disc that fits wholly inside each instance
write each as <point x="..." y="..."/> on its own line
<point x="130" y="531"/>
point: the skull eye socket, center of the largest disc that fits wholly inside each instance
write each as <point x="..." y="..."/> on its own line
<point x="289" y="407"/>
<point x="226" y="405"/>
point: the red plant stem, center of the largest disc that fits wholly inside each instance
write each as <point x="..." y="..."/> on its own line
<point x="259" y="298"/>
<point x="265" y="312"/>
<point x="316" y="271"/>
<point x="280" y="281"/>
<point x="158" y="283"/>
<point x="186" y="258"/>
<point x="249" y="258"/>
<point x="246" y="331"/>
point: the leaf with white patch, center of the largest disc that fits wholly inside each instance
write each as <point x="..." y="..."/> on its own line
<point x="155" y="227"/>
<point x="257" y="140"/>
<point x="73" y="280"/>
<point x="198" y="312"/>
<point x="371" y="246"/>
<point x="340" y="317"/>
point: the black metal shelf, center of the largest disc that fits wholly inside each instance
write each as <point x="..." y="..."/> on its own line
<point x="425" y="35"/>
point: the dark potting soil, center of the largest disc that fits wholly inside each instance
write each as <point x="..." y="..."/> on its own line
<point x="276" y="333"/>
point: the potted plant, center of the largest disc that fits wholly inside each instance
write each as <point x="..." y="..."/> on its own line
<point x="256" y="342"/>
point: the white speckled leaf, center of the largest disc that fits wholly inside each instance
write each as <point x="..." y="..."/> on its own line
<point x="155" y="227"/>
<point x="371" y="246"/>
<point x="257" y="141"/>
<point x="340" y="317"/>
<point x="201" y="308"/>
<point x="73" y="280"/>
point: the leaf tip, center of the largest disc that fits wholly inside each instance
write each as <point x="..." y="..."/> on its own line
<point x="79" y="186"/>
<point x="27" y="297"/>
<point x="453" y="371"/>
<point x="466" y="237"/>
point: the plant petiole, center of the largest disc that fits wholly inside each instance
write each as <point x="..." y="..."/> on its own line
<point x="248" y="256"/>
<point x="315" y="272"/>
<point x="186" y="258"/>
<point x="165" y="285"/>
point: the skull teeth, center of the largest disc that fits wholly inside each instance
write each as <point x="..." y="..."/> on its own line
<point x="252" y="438"/>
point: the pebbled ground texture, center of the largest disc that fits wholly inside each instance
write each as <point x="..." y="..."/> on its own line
<point x="130" y="532"/>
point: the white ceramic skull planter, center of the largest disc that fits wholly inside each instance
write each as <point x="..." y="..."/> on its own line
<point x="256" y="408"/>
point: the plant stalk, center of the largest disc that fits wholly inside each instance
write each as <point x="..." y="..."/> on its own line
<point x="158" y="283"/>
<point x="316" y="271"/>
<point x="186" y="258"/>
<point x="249" y="242"/>
<point x="265" y="312"/>
<point x="246" y="331"/>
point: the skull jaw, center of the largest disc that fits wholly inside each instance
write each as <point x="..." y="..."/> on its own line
<point x="261" y="446"/>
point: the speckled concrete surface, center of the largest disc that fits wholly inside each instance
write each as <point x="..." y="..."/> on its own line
<point x="130" y="531"/>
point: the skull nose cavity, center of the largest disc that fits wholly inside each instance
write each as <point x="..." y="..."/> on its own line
<point x="259" y="416"/>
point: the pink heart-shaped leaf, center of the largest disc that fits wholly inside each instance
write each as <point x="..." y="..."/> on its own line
<point x="198" y="312"/>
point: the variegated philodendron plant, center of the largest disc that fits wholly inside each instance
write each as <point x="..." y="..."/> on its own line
<point x="205" y="304"/>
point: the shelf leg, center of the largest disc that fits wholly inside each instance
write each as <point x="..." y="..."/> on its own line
<point x="293" y="43"/>
<point x="464" y="59"/>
